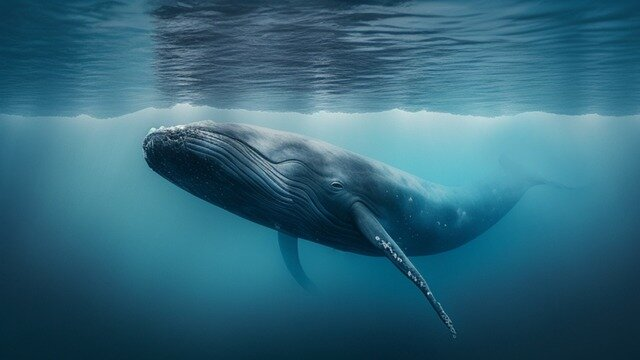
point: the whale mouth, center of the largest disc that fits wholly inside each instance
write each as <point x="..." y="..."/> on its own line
<point x="226" y="170"/>
<point x="163" y="144"/>
<point x="160" y="141"/>
<point x="196" y="156"/>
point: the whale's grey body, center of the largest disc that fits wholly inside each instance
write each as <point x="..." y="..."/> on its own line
<point x="309" y="189"/>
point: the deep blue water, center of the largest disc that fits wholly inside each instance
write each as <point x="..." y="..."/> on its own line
<point x="102" y="258"/>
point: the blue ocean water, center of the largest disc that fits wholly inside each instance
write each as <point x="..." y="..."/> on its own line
<point x="102" y="258"/>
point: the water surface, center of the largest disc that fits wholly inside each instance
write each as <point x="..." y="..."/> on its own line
<point x="108" y="58"/>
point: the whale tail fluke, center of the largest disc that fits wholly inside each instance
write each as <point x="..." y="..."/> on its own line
<point x="527" y="176"/>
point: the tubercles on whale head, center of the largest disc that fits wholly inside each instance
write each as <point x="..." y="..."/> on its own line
<point x="160" y="143"/>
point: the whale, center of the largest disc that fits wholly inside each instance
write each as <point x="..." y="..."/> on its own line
<point x="308" y="189"/>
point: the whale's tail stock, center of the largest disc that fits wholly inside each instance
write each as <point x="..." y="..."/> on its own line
<point x="527" y="176"/>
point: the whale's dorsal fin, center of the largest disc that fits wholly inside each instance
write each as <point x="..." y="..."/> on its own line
<point x="289" y="250"/>
<point x="378" y="236"/>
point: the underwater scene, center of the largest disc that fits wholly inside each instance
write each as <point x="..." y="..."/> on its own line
<point x="319" y="180"/>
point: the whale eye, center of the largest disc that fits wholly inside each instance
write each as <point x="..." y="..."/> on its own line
<point x="337" y="185"/>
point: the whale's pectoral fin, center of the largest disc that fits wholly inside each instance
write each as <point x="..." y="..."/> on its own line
<point x="289" y="250"/>
<point x="378" y="236"/>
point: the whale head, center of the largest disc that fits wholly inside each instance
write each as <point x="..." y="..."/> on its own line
<point x="282" y="180"/>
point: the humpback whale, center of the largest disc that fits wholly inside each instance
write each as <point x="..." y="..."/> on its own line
<point x="308" y="189"/>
